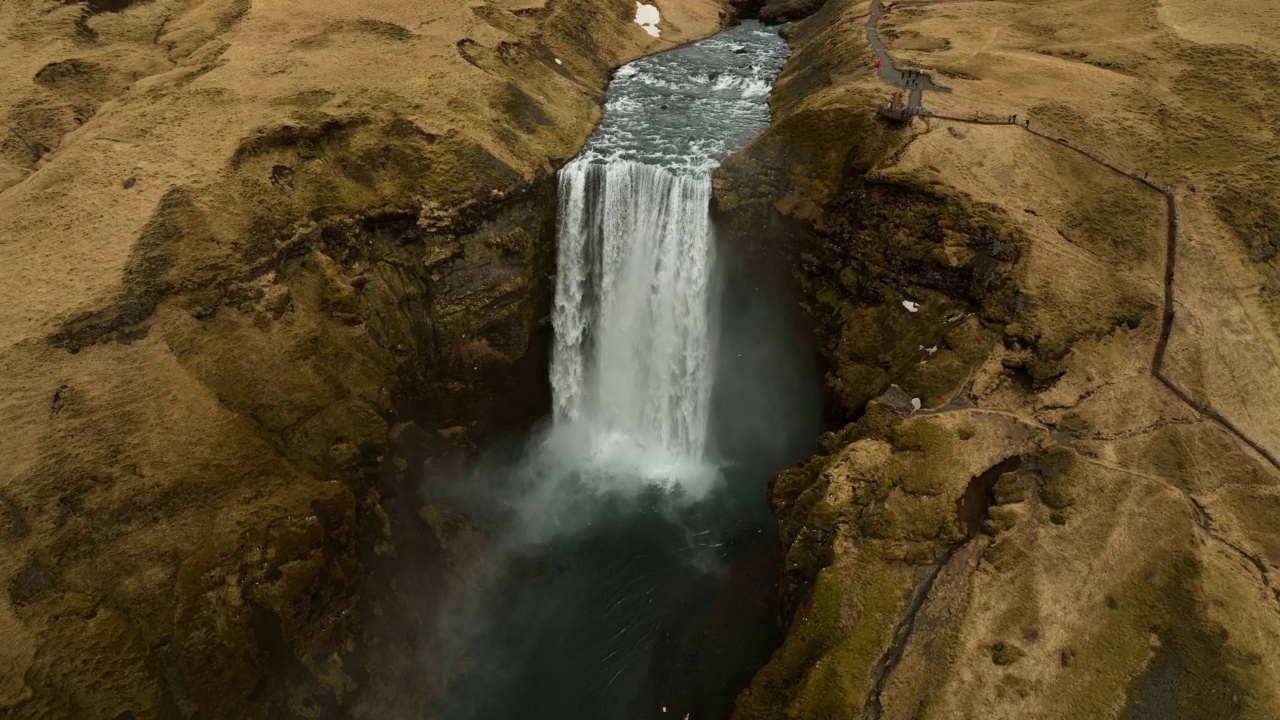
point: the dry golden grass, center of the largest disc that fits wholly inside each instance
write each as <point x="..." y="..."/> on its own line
<point x="150" y="160"/>
<point x="1144" y="598"/>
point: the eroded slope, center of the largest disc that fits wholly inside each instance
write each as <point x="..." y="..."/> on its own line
<point x="236" y="238"/>
<point x="1127" y="567"/>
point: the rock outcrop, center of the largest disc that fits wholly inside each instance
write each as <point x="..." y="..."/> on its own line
<point x="238" y="239"/>
<point x="1029" y="524"/>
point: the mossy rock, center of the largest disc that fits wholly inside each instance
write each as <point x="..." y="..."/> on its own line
<point x="1054" y="466"/>
<point x="1000" y="520"/>
<point x="1010" y="489"/>
<point x="1006" y="554"/>
<point x="1006" y="653"/>
<point x="919" y="436"/>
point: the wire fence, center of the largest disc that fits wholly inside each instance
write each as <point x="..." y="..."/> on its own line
<point x="1171" y="262"/>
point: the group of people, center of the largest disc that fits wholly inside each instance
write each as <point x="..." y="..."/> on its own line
<point x="911" y="78"/>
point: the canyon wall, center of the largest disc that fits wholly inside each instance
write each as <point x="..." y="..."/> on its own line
<point x="241" y="240"/>
<point x="1010" y="516"/>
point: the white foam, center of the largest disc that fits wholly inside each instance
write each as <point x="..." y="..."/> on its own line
<point x="633" y="296"/>
<point x="648" y="17"/>
<point x="654" y="81"/>
<point x="634" y="316"/>
<point x="750" y="87"/>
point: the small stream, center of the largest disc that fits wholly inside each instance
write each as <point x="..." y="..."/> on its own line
<point x="636" y="567"/>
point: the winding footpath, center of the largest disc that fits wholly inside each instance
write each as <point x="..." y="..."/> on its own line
<point x="916" y="82"/>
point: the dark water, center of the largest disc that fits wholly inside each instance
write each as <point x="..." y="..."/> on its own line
<point x="608" y="602"/>
<point x="641" y="611"/>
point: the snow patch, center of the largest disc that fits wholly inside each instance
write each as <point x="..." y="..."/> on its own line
<point x="559" y="61"/>
<point x="648" y="17"/>
<point x="910" y="306"/>
<point x="915" y="403"/>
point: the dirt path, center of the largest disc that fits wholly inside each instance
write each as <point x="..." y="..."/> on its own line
<point x="917" y="82"/>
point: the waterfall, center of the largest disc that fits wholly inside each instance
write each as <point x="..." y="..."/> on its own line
<point x="625" y="523"/>
<point x="633" y="307"/>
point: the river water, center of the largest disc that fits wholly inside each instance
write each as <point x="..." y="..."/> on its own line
<point x="635" y="315"/>
<point x="637" y="566"/>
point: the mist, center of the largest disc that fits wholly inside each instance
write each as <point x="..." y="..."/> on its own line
<point x="610" y="579"/>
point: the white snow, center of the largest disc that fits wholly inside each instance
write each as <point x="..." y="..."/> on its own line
<point x="910" y="306"/>
<point x="915" y="403"/>
<point x="559" y="61"/>
<point x="648" y="17"/>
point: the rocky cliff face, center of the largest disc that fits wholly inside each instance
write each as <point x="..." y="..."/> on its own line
<point x="1011" y="517"/>
<point x="239" y="239"/>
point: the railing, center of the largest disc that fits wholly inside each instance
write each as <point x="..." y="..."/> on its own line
<point x="1171" y="256"/>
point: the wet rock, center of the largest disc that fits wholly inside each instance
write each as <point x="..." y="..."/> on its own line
<point x="781" y="11"/>
<point x="345" y="455"/>
<point x="899" y="401"/>
<point x="746" y="8"/>
<point x="452" y="434"/>
<point x="464" y="546"/>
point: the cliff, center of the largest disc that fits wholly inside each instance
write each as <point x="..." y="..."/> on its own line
<point x="1049" y="489"/>
<point x="238" y="240"/>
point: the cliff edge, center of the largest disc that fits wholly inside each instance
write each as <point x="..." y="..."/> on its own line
<point x="238" y="240"/>
<point x="1050" y="486"/>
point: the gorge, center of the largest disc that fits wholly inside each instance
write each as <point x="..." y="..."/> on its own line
<point x="565" y="358"/>
<point x="657" y="551"/>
